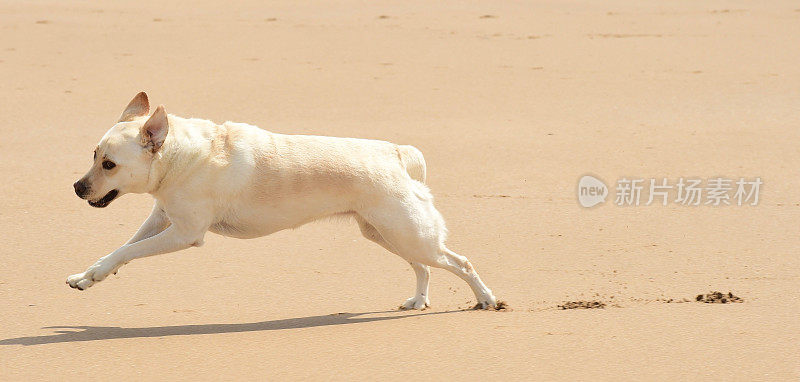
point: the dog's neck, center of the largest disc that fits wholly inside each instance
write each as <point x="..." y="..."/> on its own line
<point x="159" y="166"/>
<point x="163" y="173"/>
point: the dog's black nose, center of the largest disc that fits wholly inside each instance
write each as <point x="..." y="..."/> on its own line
<point x="80" y="188"/>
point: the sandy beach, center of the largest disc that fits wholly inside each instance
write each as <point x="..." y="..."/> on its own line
<point x="511" y="104"/>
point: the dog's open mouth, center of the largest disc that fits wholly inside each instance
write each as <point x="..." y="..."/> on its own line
<point x="104" y="201"/>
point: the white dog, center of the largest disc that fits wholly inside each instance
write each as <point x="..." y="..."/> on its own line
<point x="238" y="180"/>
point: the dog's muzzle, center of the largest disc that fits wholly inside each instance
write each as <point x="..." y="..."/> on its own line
<point x="104" y="201"/>
<point x="82" y="190"/>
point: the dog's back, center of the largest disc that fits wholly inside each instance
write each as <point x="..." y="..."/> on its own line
<point x="293" y="179"/>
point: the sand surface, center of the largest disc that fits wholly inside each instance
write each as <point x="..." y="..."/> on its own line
<point x="511" y="103"/>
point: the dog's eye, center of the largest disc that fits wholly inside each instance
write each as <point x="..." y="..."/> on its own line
<point x="108" y="165"/>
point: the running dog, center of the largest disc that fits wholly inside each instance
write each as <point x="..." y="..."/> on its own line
<point x="238" y="180"/>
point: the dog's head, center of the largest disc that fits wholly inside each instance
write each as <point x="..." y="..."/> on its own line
<point x="123" y="158"/>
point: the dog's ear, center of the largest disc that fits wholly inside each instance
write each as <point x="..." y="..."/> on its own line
<point x="138" y="107"/>
<point x="154" y="131"/>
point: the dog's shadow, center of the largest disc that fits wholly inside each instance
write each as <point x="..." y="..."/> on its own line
<point x="97" y="333"/>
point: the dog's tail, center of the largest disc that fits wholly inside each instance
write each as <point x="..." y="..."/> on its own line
<point x="413" y="161"/>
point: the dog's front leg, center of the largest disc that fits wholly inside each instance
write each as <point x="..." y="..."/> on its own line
<point x="155" y="223"/>
<point x="172" y="239"/>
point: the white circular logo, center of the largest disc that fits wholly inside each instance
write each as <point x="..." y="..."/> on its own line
<point x="591" y="191"/>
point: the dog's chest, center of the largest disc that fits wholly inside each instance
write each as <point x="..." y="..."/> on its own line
<point x="236" y="228"/>
<point x="223" y="227"/>
<point x="244" y="222"/>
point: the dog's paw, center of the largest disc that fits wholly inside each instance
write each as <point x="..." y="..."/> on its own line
<point x="490" y="303"/>
<point x="96" y="273"/>
<point x="80" y="281"/>
<point x="417" y="302"/>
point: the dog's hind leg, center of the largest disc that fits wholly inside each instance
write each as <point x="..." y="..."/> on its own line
<point x="461" y="267"/>
<point x="420" y="299"/>
<point x="413" y="229"/>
